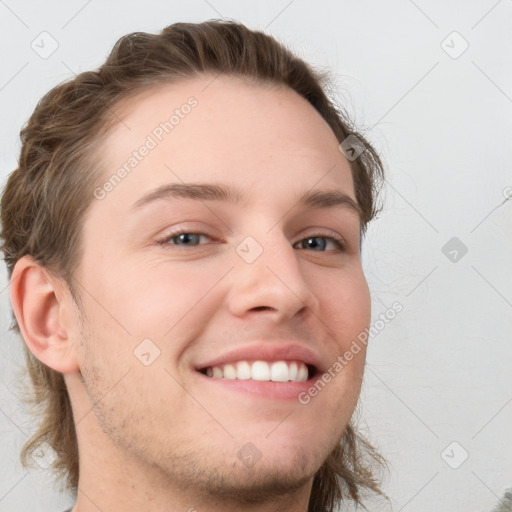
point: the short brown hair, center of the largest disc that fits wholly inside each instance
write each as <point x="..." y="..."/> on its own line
<point x="45" y="198"/>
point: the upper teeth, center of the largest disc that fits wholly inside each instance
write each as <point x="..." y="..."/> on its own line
<point x="278" y="371"/>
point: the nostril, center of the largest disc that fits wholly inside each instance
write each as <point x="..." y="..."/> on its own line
<point x="263" y="308"/>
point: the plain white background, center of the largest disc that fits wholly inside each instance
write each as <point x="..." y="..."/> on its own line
<point x="439" y="373"/>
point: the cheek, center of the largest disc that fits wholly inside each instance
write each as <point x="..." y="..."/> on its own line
<point x="174" y="297"/>
<point x="148" y="299"/>
<point x="345" y="306"/>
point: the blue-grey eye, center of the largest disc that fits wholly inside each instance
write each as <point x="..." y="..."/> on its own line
<point x="187" y="239"/>
<point x="317" y="243"/>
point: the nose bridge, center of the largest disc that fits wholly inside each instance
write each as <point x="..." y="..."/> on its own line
<point x="267" y="274"/>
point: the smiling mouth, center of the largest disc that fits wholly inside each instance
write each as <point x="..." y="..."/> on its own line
<point x="262" y="371"/>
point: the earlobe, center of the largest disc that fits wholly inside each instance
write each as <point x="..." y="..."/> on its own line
<point x="36" y="302"/>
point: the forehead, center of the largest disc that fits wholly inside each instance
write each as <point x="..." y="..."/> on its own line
<point x="221" y="129"/>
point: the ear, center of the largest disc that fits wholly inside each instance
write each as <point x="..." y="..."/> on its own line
<point x="39" y="303"/>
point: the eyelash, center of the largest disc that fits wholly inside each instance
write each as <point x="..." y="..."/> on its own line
<point x="165" y="241"/>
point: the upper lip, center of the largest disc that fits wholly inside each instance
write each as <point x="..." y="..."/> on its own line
<point x="265" y="352"/>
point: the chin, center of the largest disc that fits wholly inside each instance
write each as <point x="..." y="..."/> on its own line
<point x="269" y="477"/>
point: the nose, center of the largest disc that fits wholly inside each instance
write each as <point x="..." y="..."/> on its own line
<point x="273" y="284"/>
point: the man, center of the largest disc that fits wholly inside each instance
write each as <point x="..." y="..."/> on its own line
<point x="183" y="238"/>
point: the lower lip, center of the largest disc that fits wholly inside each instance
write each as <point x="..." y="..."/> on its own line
<point x="264" y="389"/>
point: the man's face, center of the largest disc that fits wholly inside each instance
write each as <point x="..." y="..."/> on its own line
<point x="261" y="278"/>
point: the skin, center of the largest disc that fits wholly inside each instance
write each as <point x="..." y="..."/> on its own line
<point x="160" y="437"/>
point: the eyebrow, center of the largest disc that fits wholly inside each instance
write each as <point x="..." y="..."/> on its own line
<point x="216" y="192"/>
